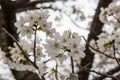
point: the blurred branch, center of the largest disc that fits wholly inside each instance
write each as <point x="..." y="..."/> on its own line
<point x="24" y="4"/>
<point x="118" y="76"/>
<point x="74" y="22"/>
<point x="32" y="8"/>
<point x="72" y="64"/>
<point x="99" y="73"/>
<point x="95" y="30"/>
<point x="110" y="72"/>
<point x="33" y="3"/>
<point x="30" y="5"/>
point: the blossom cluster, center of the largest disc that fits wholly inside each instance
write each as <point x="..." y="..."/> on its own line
<point x="65" y="45"/>
<point x="111" y="14"/>
<point x="15" y="58"/>
<point x="109" y="42"/>
<point x="32" y="20"/>
<point x="58" y="47"/>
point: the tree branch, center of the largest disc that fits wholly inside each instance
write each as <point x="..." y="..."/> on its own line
<point x="72" y="64"/>
<point x="30" y="4"/>
<point x="34" y="47"/>
<point x="99" y="73"/>
<point x="114" y="53"/>
<point x="108" y="56"/>
<point x="110" y="72"/>
<point x="96" y="29"/>
<point x="24" y="54"/>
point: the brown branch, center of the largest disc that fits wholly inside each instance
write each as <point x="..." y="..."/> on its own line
<point x="34" y="48"/>
<point x="118" y="76"/>
<point x="24" y="54"/>
<point x="99" y="73"/>
<point x="33" y="8"/>
<point x="110" y="72"/>
<point x="31" y="4"/>
<point x="114" y="53"/>
<point x="98" y="50"/>
<point x="24" y="5"/>
<point x="96" y="29"/>
<point x="72" y="64"/>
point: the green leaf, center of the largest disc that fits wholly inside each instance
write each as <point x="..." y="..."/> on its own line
<point x="107" y="46"/>
<point x="105" y="13"/>
<point x="55" y="70"/>
<point x="40" y="29"/>
<point x="64" y="48"/>
<point x="35" y="24"/>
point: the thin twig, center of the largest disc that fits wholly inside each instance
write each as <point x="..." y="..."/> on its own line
<point x="72" y="64"/>
<point x="98" y="50"/>
<point x="84" y="66"/>
<point x="102" y="74"/>
<point x="73" y="21"/>
<point x="115" y="53"/>
<point x="24" y="54"/>
<point x="34" y="48"/>
<point x="116" y="19"/>
<point x="110" y="72"/>
<point x="47" y="60"/>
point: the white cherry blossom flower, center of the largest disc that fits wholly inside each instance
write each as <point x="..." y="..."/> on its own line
<point x="62" y="45"/>
<point x="52" y="47"/>
<point x="32" y="19"/>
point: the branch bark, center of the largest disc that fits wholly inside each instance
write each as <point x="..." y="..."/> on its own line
<point x="96" y="29"/>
